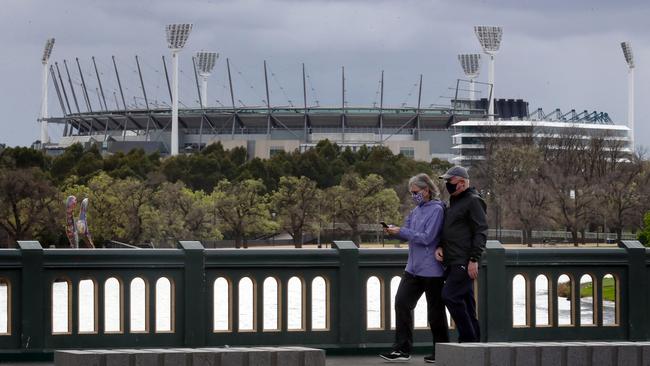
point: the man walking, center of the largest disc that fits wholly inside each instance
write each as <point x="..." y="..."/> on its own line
<point x="463" y="240"/>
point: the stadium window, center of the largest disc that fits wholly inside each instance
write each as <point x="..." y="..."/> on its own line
<point x="275" y="150"/>
<point x="408" y="152"/>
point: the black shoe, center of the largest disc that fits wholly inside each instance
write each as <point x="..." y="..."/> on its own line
<point x="430" y="359"/>
<point x="395" y="356"/>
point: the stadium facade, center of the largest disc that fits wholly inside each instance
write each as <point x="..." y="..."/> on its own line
<point x="457" y="133"/>
<point x="421" y="134"/>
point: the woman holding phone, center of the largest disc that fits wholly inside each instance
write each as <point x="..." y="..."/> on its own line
<point x="423" y="273"/>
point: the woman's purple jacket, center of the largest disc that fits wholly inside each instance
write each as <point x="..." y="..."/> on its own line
<point x="422" y="229"/>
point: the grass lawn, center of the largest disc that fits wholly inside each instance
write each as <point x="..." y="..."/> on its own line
<point x="609" y="289"/>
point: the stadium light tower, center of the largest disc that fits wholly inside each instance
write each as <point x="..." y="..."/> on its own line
<point x="177" y="35"/>
<point x="471" y="67"/>
<point x="205" y="63"/>
<point x="490" y="39"/>
<point x="629" y="58"/>
<point x="49" y="44"/>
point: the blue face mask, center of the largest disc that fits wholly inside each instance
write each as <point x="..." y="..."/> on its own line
<point x="418" y="198"/>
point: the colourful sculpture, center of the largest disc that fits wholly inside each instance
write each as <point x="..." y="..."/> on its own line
<point x="72" y="228"/>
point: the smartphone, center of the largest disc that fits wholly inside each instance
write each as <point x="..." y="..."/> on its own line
<point x="383" y="224"/>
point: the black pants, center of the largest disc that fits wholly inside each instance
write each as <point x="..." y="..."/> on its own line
<point x="408" y="293"/>
<point x="458" y="296"/>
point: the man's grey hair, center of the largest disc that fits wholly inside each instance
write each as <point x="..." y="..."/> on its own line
<point x="423" y="181"/>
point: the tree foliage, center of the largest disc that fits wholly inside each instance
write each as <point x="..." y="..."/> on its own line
<point x="242" y="209"/>
<point x="297" y="204"/>
<point x="358" y="201"/>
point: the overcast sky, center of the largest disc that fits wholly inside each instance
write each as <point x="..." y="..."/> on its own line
<point x="554" y="53"/>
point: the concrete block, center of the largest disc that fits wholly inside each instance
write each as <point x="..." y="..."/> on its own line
<point x="500" y="354"/>
<point x="143" y="357"/>
<point x="203" y="357"/>
<point x="76" y="358"/>
<point x="259" y="357"/>
<point x="526" y="354"/>
<point x="172" y="357"/>
<point x="461" y="353"/>
<point x="630" y="353"/>
<point x="231" y="357"/>
<point x="603" y="354"/>
<point x="114" y="357"/>
<point x="644" y="353"/>
<point x="312" y="356"/>
<point x="552" y="354"/>
<point x="282" y="356"/>
<point x="577" y="354"/>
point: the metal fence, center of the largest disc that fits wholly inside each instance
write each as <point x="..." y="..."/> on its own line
<point x="206" y="297"/>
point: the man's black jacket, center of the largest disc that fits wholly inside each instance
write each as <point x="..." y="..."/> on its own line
<point x="465" y="230"/>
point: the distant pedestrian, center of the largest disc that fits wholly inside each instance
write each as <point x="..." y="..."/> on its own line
<point x="423" y="274"/>
<point x="463" y="241"/>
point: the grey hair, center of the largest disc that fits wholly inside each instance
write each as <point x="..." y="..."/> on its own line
<point x="423" y="181"/>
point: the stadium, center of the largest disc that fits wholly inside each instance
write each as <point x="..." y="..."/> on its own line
<point x="455" y="132"/>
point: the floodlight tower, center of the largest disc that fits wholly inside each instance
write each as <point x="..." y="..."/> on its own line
<point x="49" y="44"/>
<point x="177" y="35"/>
<point x="205" y="63"/>
<point x="629" y="58"/>
<point x="490" y="39"/>
<point x="471" y="67"/>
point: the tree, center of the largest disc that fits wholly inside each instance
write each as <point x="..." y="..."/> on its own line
<point x="242" y="209"/>
<point x="517" y="187"/>
<point x="24" y="157"/>
<point x="179" y="213"/>
<point x="77" y="161"/>
<point x="621" y="195"/>
<point x="297" y="203"/>
<point x="358" y="201"/>
<point x="117" y="209"/>
<point x="134" y="164"/>
<point x="30" y="205"/>
<point x="644" y="235"/>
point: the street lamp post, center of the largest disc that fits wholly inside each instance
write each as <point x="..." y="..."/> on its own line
<point x="177" y="35"/>
<point x="490" y="39"/>
<point x="49" y="45"/>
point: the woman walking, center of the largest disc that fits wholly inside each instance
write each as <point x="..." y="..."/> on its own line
<point x="423" y="273"/>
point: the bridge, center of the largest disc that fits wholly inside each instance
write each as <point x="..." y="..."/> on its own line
<point x="195" y="297"/>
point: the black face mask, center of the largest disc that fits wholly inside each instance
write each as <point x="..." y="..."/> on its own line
<point x="451" y="188"/>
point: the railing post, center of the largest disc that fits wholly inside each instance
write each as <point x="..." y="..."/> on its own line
<point x="637" y="291"/>
<point x="494" y="320"/>
<point x="32" y="303"/>
<point x="349" y="295"/>
<point x="194" y="290"/>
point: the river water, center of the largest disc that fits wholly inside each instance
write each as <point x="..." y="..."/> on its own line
<point x="295" y="319"/>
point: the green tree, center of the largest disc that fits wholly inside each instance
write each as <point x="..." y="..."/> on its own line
<point x="117" y="207"/>
<point x="136" y="163"/>
<point x="29" y="205"/>
<point x="242" y="210"/>
<point x="644" y="234"/>
<point x="358" y="201"/>
<point x="297" y="203"/>
<point x="178" y="213"/>
<point x="84" y="164"/>
<point x="24" y="157"/>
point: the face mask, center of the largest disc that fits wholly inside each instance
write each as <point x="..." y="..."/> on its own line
<point x="451" y="188"/>
<point x="418" y="198"/>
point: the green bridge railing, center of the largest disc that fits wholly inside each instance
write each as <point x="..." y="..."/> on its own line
<point x="204" y="284"/>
